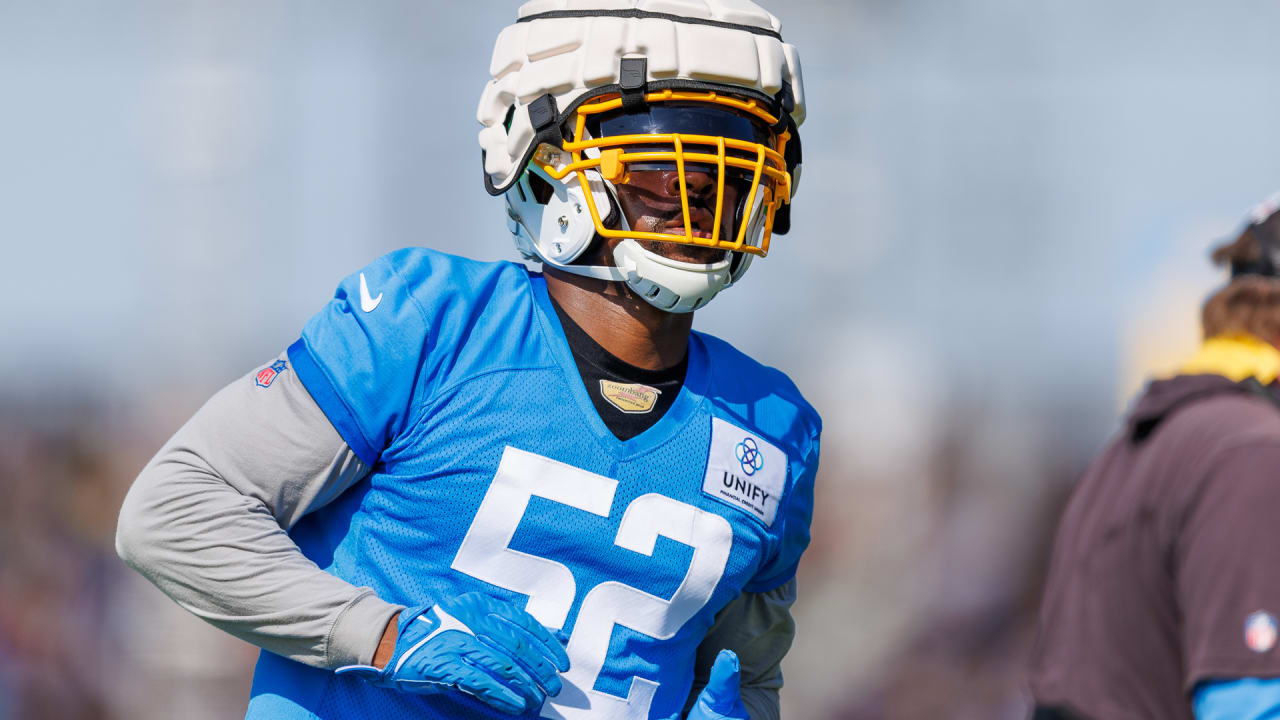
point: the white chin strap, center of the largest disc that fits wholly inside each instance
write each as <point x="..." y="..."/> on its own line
<point x="599" y="272"/>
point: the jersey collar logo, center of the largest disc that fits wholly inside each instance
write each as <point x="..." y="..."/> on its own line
<point x="367" y="303"/>
<point x="630" y="398"/>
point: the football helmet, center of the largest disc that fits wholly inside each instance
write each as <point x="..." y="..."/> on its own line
<point x="594" y="105"/>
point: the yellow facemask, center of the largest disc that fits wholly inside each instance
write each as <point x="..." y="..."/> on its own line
<point x="761" y="165"/>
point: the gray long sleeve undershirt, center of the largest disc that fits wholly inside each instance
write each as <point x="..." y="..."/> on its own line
<point x="759" y="628"/>
<point x="206" y="522"/>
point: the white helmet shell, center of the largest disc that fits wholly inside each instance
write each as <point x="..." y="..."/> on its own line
<point x="566" y="48"/>
<point x="562" y="52"/>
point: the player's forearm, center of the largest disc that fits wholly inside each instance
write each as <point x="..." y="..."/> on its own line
<point x="761" y="703"/>
<point x="387" y="644"/>
<point x="759" y="628"/>
<point x="217" y="555"/>
<point x="205" y="522"/>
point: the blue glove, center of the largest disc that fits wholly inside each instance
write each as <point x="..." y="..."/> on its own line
<point x="721" y="698"/>
<point x="476" y="644"/>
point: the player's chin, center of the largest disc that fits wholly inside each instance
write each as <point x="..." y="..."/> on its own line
<point x="684" y="253"/>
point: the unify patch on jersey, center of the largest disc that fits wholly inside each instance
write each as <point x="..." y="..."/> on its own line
<point x="630" y="398"/>
<point x="745" y="471"/>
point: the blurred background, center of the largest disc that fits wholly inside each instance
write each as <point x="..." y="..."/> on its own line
<point x="1001" y="231"/>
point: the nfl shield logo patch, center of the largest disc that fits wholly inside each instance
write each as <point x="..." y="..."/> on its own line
<point x="267" y="375"/>
<point x="1260" y="631"/>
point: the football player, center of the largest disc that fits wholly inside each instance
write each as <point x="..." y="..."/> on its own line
<point x="472" y="490"/>
<point x="1163" y="593"/>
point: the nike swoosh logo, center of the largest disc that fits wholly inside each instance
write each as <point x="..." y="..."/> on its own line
<point x="367" y="304"/>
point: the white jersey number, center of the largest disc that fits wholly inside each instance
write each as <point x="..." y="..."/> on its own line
<point x="485" y="554"/>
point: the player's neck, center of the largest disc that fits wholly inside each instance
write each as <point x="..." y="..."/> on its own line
<point x="624" y="324"/>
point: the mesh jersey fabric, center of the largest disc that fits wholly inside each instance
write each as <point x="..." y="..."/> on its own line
<point x="493" y="473"/>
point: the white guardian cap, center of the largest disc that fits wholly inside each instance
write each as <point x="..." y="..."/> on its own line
<point x="588" y="95"/>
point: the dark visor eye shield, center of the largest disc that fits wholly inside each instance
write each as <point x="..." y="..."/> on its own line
<point x="731" y="139"/>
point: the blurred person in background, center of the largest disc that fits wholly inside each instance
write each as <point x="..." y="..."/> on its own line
<point x="457" y="457"/>
<point x="1163" y="589"/>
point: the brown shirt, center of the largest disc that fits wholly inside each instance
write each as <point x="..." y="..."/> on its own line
<point x="1169" y="547"/>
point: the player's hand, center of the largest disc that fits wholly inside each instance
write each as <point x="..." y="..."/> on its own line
<point x="475" y="644"/>
<point x="721" y="699"/>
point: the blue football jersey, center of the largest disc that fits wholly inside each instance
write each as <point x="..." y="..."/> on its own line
<point x="493" y="472"/>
